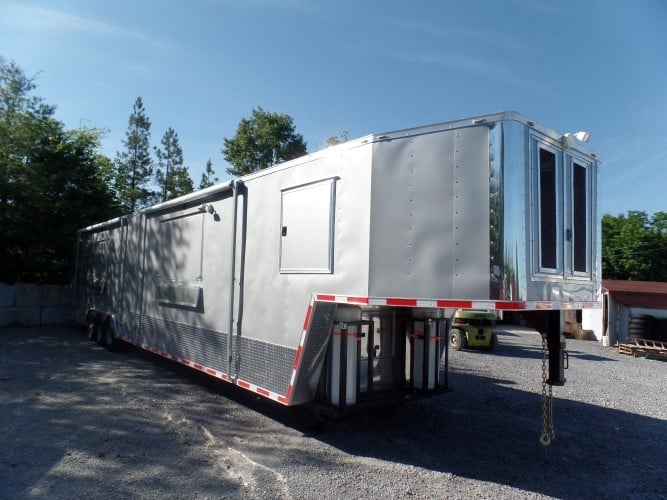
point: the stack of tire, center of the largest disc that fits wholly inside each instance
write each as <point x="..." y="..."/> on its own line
<point x="660" y="329"/>
<point x="644" y="326"/>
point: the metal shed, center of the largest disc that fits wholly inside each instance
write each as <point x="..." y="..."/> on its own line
<point x="621" y="300"/>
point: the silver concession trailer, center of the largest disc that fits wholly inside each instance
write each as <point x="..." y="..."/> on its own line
<point x="331" y="278"/>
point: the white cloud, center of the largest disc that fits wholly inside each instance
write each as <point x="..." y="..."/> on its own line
<point x="28" y="17"/>
<point x="480" y="67"/>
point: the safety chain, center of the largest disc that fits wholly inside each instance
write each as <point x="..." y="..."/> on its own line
<point x="548" y="434"/>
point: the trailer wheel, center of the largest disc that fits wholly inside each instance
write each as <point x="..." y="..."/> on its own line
<point x="456" y="339"/>
<point x="99" y="332"/>
<point x="110" y="339"/>
<point x="90" y="335"/>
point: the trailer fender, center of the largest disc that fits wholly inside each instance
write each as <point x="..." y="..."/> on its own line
<point x="91" y="325"/>
<point x="99" y="329"/>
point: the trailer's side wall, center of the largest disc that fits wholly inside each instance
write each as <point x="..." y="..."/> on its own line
<point x="171" y="292"/>
<point x="430" y="215"/>
<point x="276" y="294"/>
<point x="178" y="279"/>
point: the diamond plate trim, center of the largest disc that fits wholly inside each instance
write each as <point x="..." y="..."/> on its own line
<point x="313" y="352"/>
<point x="266" y="365"/>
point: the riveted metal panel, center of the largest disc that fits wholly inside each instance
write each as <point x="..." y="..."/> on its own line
<point x="470" y="213"/>
<point x="411" y="216"/>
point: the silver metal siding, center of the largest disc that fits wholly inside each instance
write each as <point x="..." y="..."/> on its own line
<point x="470" y="245"/>
<point x="275" y="303"/>
<point x="411" y="216"/>
<point x="429" y="216"/>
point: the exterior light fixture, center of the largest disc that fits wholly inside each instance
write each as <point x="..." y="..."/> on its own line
<point x="581" y="136"/>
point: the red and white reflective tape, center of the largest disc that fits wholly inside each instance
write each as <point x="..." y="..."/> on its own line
<point x="495" y="305"/>
<point x="212" y="372"/>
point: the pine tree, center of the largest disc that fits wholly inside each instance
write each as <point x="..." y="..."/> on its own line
<point x="171" y="175"/>
<point x="134" y="166"/>
<point x="208" y="178"/>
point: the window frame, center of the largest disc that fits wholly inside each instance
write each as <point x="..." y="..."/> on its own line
<point x="572" y="159"/>
<point x="326" y="251"/>
<point x="537" y="144"/>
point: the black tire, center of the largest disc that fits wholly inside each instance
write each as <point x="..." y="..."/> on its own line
<point x="91" y="329"/>
<point x="642" y="320"/>
<point x="110" y="339"/>
<point x="634" y="335"/>
<point x="660" y="330"/>
<point x="99" y="332"/>
<point x="456" y="339"/>
<point x="640" y="326"/>
<point x="90" y="316"/>
<point x="492" y="343"/>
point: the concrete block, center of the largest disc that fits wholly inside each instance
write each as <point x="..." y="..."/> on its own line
<point x="29" y="316"/>
<point x="53" y="295"/>
<point x="54" y="315"/>
<point x="28" y="295"/>
<point x="7" y="295"/>
<point x="8" y="317"/>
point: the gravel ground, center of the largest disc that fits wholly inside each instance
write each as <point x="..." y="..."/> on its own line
<point x="79" y="422"/>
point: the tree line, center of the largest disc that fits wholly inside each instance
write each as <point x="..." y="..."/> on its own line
<point x="54" y="181"/>
<point x="634" y="246"/>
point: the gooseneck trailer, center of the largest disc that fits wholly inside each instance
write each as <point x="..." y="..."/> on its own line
<point x="330" y="279"/>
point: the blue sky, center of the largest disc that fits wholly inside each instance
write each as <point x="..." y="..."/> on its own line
<point x="361" y="66"/>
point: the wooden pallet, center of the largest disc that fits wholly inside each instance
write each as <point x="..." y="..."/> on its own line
<point x="644" y="347"/>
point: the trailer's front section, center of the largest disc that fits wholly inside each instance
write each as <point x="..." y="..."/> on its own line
<point x="544" y="226"/>
<point x="495" y="213"/>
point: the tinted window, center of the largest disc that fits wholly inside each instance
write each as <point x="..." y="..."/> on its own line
<point x="580" y="235"/>
<point x="548" y="238"/>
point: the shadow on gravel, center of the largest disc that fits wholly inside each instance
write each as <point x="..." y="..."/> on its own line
<point x="597" y="451"/>
<point x="59" y="430"/>
<point x="487" y="431"/>
<point x="534" y="352"/>
<point x="66" y="436"/>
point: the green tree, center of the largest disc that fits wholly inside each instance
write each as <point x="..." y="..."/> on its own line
<point x="208" y="177"/>
<point x="52" y="182"/>
<point x="24" y="118"/>
<point x="634" y="246"/>
<point x="261" y="141"/>
<point x="171" y="176"/>
<point x="134" y="165"/>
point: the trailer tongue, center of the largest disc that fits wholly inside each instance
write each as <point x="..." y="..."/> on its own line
<point x="331" y="279"/>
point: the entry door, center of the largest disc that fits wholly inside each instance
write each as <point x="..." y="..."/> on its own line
<point x="563" y="186"/>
